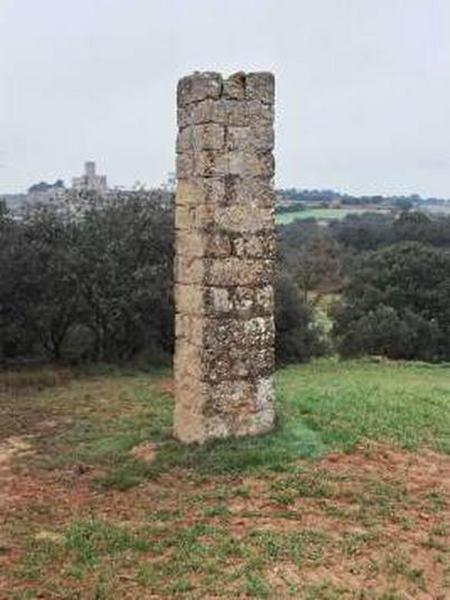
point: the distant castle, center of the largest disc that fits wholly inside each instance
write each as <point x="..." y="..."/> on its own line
<point x="90" y="180"/>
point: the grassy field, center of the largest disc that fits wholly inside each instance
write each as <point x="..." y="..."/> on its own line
<point x="348" y="498"/>
<point x="322" y="214"/>
<point x="439" y="209"/>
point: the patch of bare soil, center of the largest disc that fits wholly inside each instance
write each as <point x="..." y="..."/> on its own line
<point x="422" y="471"/>
<point x="381" y="525"/>
<point x="13" y="446"/>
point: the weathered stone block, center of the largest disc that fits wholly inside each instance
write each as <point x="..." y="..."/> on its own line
<point x="221" y="364"/>
<point x="229" y="397"/>
<point x="257" y="191"/>
<point x="264" y="300"/>
<point x="243" y="218"/>
<point x="189" y="270"/>
<point x="244" y="301"/>
<point x="190" y="299"/>
<point x="184" y="140"/>
<point x="225" y="248"/>
<point x="190" y="243"/>
<point x="236" y="113"/>
<point x="198" y="191"/>
<point x="240" y="407"/>
<point x="184" y="165"/>
<point x="255" y="245"/>
<point x="246" y="335"/>
<point x="259" y="138"/>
<point x="219" y="300"/>
<point x="249" y="163"/>
<point x="260" y="331"/>
<point x="190" y="424"/>
<point x="235" y="271"/>
<point x="223" y="409"/>
<point x="190" y="193"/>
<point x="188" y="366"/>
<point x="208" y="136"/>
<point x="259" y="114"/>
<point x="260" y="86"/>
<point x="218" y="244"/>
<point x="198" y="87"/>
<point x="208" y="163"/>
<point x="190" y="327"/>
<point x="184" y="117"/>
<point x="197" y="243"/>
<point x="208" y="111"/>
<point x="193" y="216"/>
<point x="263" y="137"/>
<point x="234" y="86"/>
<point x="184" y="217"/>
<point x="239" y="302"/>
<point x="239" y="138"/>
<point x="214" y="190"/>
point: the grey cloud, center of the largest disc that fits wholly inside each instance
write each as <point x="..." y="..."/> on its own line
<point x="362" y="86"/>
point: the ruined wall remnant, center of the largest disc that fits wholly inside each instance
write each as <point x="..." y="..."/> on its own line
<point x="225" y="245"/>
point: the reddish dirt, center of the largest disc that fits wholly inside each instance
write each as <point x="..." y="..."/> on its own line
<point x="46" y="501"/>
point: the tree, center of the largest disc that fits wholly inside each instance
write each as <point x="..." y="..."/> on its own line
<point x="100" y="276"/>
<point x="297" y="339"/>
<point x="44" y="186"/>
<point x="367" y="231"/>
<point x="125" y="275"/>
<point x="398" y="304"/>
<point x="39" y="294"/>
<point x="313" y="259"/>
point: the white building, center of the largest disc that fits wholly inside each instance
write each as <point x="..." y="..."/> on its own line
<point x="90" y="180"/>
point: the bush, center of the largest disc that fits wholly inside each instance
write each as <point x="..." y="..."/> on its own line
<point x="383" y="331"/>
<point x="93" y="285"/>
<point x="397" y="304"/>
<point x="297" y="339"/>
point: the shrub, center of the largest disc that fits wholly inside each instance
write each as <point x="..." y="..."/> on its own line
<point x="91" y="285"/>
<point x="397" y="304"/>
<point x="297" y="338"/>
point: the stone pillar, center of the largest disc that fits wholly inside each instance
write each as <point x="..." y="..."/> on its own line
<point x="225" y="247"/>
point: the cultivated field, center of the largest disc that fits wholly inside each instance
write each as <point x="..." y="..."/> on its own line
<point x="322" y="214"/>
<point x="349" y="498"/>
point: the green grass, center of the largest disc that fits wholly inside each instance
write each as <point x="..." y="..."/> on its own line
<point x="322" y="214"/>
<point x="323" y="406"/>
<point x="207" y="552"/>
<point x="344" y="403"/>
<point x="252" y="517"/>
<point x="333" y="406"/>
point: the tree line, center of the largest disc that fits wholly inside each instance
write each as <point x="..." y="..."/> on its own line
<point x="327" y="197"/>
<point x="94" y="284"/>
<point x="389" y="277"/>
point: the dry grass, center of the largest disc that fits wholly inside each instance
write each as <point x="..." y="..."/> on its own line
<point x="22" y="380"/>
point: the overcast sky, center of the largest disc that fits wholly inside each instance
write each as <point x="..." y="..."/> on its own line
<point x="363" y="87"/>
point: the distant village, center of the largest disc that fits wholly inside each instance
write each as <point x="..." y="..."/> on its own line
<point x="87" y="185"/>
<point x="292" y="203"/>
